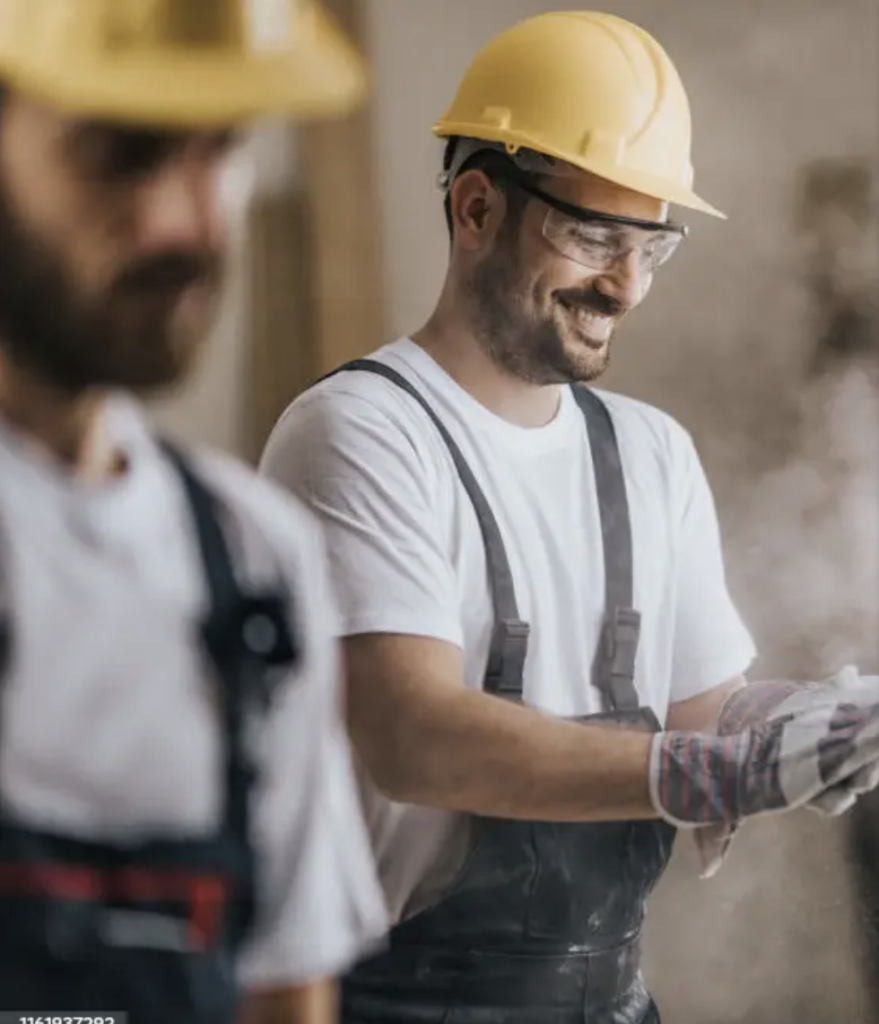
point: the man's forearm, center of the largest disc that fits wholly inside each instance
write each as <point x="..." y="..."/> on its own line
<point x="427" y="739"/>
<point x="478" y="754"/>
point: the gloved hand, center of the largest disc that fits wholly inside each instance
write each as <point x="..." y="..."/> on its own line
<point x="754" y="704"/>
<point x="801" y="750"/>
<point x="848" y="687"/>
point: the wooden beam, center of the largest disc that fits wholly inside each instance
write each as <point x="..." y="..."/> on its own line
<point x="281" y="339"/>
<point x="340" y="193"/>
<point x="316" y="291"/>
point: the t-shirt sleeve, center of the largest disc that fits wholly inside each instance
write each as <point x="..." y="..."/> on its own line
<point x="369" y="482"/>
<point x="320" y="903"/>
<point x="711" y="643"/>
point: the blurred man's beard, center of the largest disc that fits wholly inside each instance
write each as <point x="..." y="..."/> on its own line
<point x="130" y="341"/>
<point x="529" y="348"/>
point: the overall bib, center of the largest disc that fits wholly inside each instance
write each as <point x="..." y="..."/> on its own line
<point x="151" y="928"/>
<point x="542" y="923"/>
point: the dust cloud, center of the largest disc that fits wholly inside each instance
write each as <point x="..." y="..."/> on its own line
<point x="805" y="534"/>
<point x="783" y="934"/>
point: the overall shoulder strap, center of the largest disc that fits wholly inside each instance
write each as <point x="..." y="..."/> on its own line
<point x="614" y="666"/>
<point x="509" y="642"/>
<point x="244" y="635"/>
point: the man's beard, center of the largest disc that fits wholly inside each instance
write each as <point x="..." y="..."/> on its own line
<point x="73" y="345"/>
<point x="527" y="346"/>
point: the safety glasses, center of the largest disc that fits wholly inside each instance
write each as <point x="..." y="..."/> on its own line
<point x="598" y="241"/>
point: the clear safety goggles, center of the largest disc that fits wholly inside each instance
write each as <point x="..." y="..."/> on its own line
<point x="598" y="241"/>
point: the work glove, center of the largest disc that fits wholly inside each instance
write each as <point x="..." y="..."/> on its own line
<point x="817" y="744"/>
<point x="846" y="686"/>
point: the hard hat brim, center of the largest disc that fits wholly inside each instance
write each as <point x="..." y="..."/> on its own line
<point x="626" y="177"/>
<point x="320" y="75"/>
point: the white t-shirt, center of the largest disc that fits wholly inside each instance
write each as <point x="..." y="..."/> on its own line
<point x="109" y="729"/>
<point x="407" y="556"/>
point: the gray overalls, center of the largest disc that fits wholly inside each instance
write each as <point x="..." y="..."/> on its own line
<point x="542" y="923"/>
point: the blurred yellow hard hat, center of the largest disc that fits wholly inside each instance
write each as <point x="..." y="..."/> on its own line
<point x="590" y="89"/>
<point x="186" y="63"/>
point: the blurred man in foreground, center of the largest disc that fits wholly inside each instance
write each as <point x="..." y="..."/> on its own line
<point x="179" y="825"/>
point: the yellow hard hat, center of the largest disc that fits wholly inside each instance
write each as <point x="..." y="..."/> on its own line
<point x="186" y="63"/>
<point x="590" y="89"/>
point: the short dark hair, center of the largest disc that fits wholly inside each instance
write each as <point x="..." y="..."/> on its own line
<point x="498" y="168"/>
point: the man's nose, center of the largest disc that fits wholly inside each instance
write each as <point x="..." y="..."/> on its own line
<point x="178" y="208"/>
<point x="626" y="282"/>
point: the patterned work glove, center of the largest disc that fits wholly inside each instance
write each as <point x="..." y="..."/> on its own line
<point x="813" y="741"/>
<point x="759" y="701"/>
<point x="845" y="687"/>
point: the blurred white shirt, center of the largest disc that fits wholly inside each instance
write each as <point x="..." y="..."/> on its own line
<point x="108" y="724"/>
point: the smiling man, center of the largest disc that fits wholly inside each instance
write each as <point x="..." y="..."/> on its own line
<point x="512" y="548"/>
<point x="179" y="824"/>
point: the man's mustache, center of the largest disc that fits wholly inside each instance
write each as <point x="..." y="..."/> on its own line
<point x="173" y="271"/>
<point x="595" y="302"/>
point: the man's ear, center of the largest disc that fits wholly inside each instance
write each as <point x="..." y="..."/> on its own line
<point x="477" y="207"/>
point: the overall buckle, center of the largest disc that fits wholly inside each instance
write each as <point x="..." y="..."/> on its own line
<point x="509" y="648"/>
<point x="622" y="634"/>
<point x="616" y="669"/>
